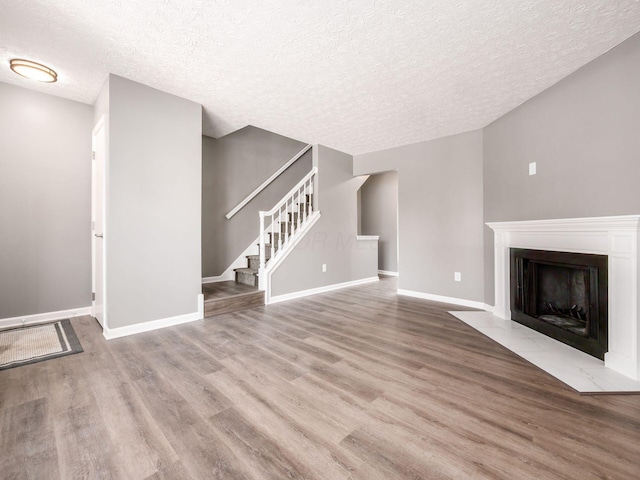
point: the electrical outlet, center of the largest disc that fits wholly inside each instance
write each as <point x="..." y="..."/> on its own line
<point x="532" y="168"/>
<point x="324" y="268"/>
<point x="457" y="276"/>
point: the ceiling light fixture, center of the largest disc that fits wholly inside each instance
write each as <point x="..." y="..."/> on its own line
<point x="33" y="70"/>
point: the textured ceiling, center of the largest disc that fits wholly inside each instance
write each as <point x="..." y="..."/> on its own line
<point x="355" y="75"/>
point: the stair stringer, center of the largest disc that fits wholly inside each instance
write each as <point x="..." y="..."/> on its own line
<point x="264" y="275"/>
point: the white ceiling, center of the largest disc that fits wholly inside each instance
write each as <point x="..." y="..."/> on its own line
<point x="356" y="75"/>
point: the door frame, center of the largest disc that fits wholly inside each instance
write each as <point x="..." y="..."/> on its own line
<point x="101" y="124"/>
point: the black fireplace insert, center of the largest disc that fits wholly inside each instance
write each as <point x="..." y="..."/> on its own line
<point x="562" y="295"/>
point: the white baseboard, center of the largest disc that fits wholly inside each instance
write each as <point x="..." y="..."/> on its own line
<point x="111" y="333"/>
<point x="388" y="273"/>
<point x="44" y="317"/>
<point x="314" y="291"/>
<point x="490" y="308"/>
<point x="225" y="277"/>
<point x="440" y="298"/>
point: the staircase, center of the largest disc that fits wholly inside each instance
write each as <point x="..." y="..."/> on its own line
<point x="280" y="229"/>
<point x="290" y="218"/>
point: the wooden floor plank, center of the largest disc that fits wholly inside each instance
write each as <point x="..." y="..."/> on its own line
<point x="27" y="442"/>
<point x="123" y="412"/>
<point x="85" y="449"/>
<point x="271" y="417"/>
<point x="201" y="451"/>
<point x="266" y="457"/>
<point x="356" y="384"/>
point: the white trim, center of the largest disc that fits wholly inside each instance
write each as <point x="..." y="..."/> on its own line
<point x="368" y="237"/>
<point x="200" y="306"/>
<point x="111" y="333"/>
<point x="589" y="224"/>
<point x="315" y="291"/>
<point x="225" y="277"/>
<point x="442" y="299"/>
<point x="489" y="308"/>
<point x="44" y="317"/>
<point x="398" y="219"/>
<point x="388" y="273"/>
<point x="102" y="123"/>
<point x="266" y="183"/>
<point x="274" y="263"/>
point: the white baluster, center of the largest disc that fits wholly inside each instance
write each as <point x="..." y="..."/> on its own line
<point x="280" y="229"/>
<point x="294" y="217"/>
<point x="298" y="209"/>
<point x="262" y="248"/>
<point x="292" y="214"/>
<point x="311" y="193"/>
<point x="304" y="202"/>
<point x="273" y="222"/>
<point x="286" y="225"/>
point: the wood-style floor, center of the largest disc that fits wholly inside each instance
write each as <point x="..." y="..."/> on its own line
<point x="355" y="384"/>
<point x="231" y="296"/>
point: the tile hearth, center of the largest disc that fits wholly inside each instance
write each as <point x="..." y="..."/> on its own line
<point x="580" y="371"/>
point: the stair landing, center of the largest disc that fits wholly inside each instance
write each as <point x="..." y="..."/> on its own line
<point x="230" y="296"/>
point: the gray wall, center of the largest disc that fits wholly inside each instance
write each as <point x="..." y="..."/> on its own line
<point x="45" y="203"/>
<point x="583" y="133"/>
<point x="440" y="213"/>
<point x="152" y="237"/>
<point x="333" y="239"/>
<point x="233" y="166"/>
<point x="379" y="216"/>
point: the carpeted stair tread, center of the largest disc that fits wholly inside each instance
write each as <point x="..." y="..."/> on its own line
<point x="248" y="276"/>
<point x="267" y="255"/>
<point x="254" y="260"/>
<point x="246" y="270"/>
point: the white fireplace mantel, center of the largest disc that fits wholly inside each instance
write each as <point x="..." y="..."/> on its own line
<point x="618" y="238"/>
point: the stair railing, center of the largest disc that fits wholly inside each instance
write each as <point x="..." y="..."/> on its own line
<point x="286" y="218"/>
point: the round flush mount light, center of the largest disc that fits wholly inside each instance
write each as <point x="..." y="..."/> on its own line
<point x="33" y="70"/>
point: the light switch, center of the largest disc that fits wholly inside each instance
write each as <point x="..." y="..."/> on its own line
<point x="532" y="168"/>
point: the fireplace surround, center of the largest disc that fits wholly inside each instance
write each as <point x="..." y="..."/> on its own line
<point x="618" y="238"/>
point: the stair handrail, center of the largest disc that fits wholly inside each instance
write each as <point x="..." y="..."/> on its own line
<point x="266" y="183"/>
<point x="300" y="189"/>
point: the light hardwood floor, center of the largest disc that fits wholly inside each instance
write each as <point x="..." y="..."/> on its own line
<point x="355" y="384"/>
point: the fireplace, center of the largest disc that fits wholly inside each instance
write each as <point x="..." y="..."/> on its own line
<point x="617" y="237"/>
<point x="563" y="295"/>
